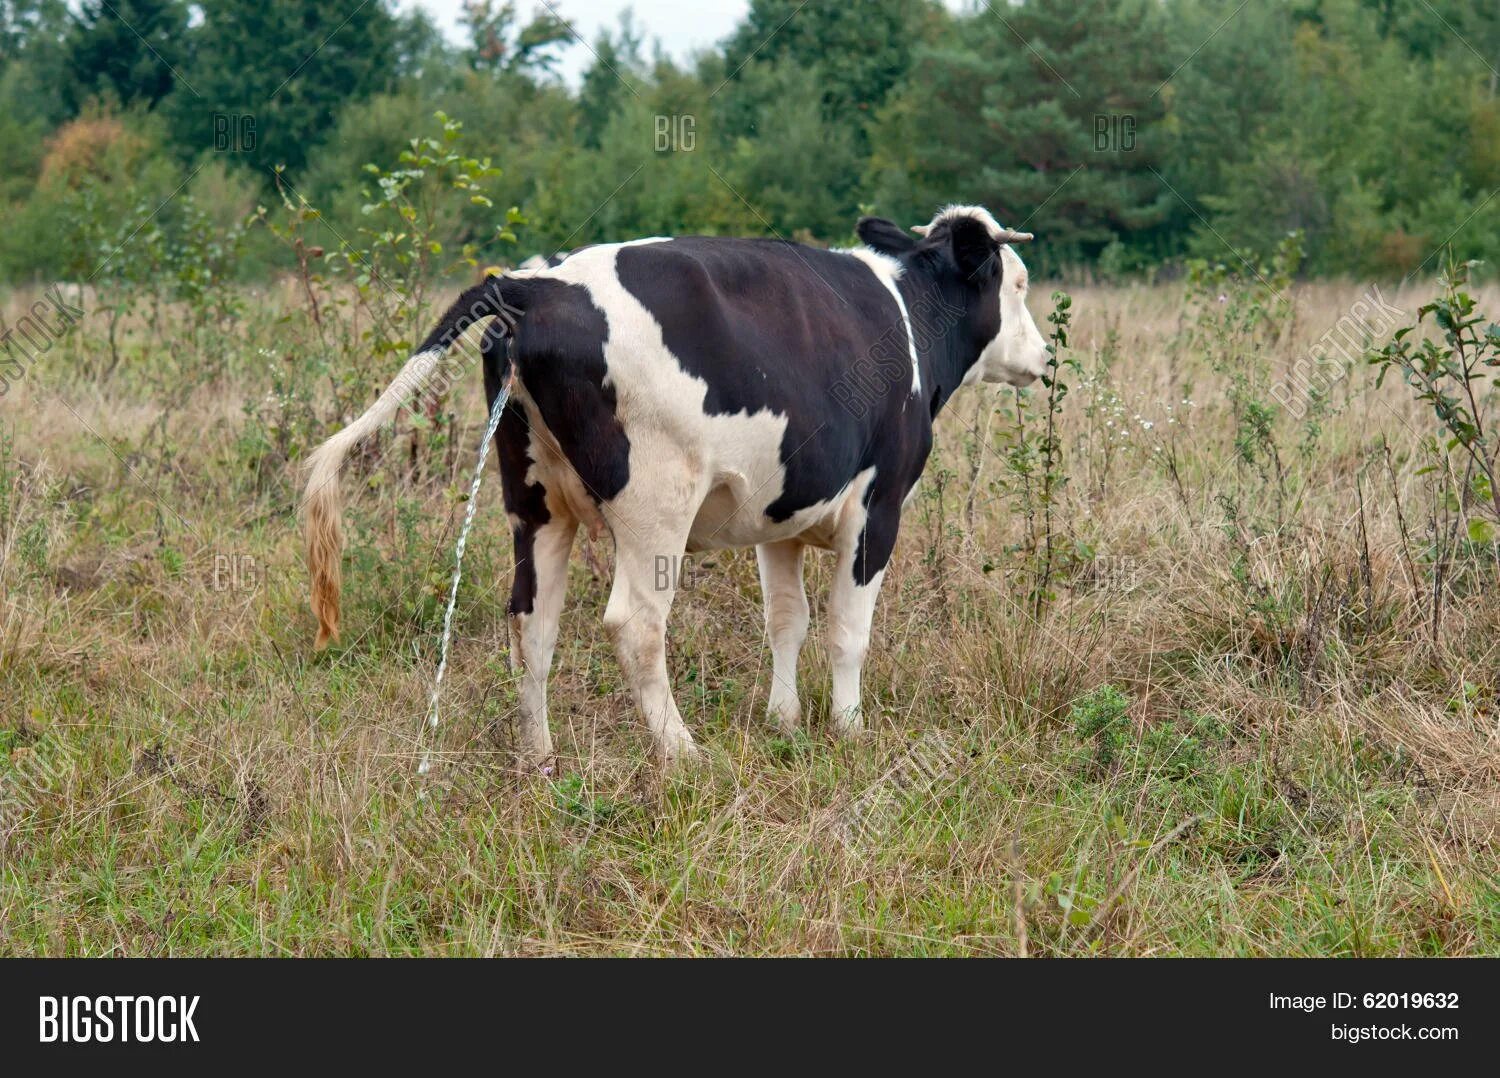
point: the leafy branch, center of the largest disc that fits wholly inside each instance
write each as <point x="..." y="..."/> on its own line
<point x="1449" y="374"/>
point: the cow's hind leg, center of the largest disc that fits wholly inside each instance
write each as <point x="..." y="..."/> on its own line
<point x="649" y="544"/>
<point x="536" y="603"/>
<point x="786" y="625"/>
<point x="543" y="529"/>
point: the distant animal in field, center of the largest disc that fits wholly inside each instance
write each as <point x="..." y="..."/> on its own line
<point x="701" y="393"/>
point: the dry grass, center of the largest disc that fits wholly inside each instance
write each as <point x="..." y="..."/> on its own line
<point x="1233" y="730"/>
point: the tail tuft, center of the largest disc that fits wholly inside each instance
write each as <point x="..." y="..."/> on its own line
<point x="325" y="540"/>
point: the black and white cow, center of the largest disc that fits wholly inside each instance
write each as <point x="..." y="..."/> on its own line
<point x="701" y="393"/>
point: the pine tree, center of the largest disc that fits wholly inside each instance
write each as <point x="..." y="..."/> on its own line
<point x="1047" y="113"/>
<point x="34" y="76"/>
<point x="617" y="57"/>
<point x="859" y="51"/>
<point x="1229" y="88"/>
<point x="128" y="50"/>
<point x="23" y="22"/>
<point x="291" y="65"/>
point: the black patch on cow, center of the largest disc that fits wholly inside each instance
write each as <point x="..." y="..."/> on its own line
<point x="559" y="353"/>
<point x="495" y="297"/>
<point x="526" y="501"/>
<point x="876" y="542"/>
<point x="973" y="248"/>
<point x="774" y="326"/>
<point x="883" y="502"/>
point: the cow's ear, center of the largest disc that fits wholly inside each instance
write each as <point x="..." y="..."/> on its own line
<point x="884" y="236"/>
<point x="974" y="249"/>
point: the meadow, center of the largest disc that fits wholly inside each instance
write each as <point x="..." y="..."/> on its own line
<point x="1204" y="665"/>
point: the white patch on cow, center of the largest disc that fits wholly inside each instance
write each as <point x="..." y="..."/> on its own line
<point x="888" y="271"/>
<point x="536" y="265"/>
<point x="1018" y="354"/>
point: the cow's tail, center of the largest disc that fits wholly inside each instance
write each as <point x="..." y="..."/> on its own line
<point x="323" y="513"/>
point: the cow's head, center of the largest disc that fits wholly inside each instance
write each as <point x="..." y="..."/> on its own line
<point x="967" y="248"/>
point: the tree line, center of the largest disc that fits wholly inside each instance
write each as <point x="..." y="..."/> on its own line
<point x="1128" y="134"/>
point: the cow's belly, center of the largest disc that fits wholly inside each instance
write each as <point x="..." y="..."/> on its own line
<point x="734" y="515"/>
<point x="723" y="521"/>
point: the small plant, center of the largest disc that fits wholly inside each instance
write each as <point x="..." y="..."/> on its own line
<point x="410" y="210"/>
<point x="790" y="748"/>
<point x="1053" y="478"/>
<point x="1034" y="473"/>
<point x="1100" y="717"/>
<point x="1242" y="312"/>
<point x="1174" y="753"/>
<point x="941" y="530"/>
<point x="1450" y="374"/>
<point x="1104" y="416"/>
<point x="573" y="799"/>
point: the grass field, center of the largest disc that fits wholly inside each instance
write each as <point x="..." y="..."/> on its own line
<point x="1225" y="717"/>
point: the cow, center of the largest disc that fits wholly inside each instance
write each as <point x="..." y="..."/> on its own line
<point x="700" y="393"/>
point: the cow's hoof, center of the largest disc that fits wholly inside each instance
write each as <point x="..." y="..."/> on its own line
<point x="682" y="754"/>
<point x="787" y="719"/>
<point x="849" y="725"/>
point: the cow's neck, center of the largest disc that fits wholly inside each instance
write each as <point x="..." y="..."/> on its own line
<point x="946" y="348"/>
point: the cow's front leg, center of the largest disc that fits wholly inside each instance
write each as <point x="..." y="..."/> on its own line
<point x="786" y="625"/>
<point x="851" y="610"/>
<point x="864" y="550"/>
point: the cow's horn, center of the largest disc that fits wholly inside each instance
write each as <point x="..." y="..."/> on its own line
<point x="921" y="230"/>
<point x="1007" y="236"/>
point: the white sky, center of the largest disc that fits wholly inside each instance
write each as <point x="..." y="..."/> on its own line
<point x="682" y="26"/>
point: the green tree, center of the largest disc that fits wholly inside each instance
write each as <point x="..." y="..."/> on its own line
<point x="130" y="50"/>
<point x="800" y="174"/>
<point x="859" y="51"/>
<point x="1226" y="92"/>
<point x="33" y="74"/>
<point x="423" y="54"/>
<point x="1378" y="144"/>
<point x="1462" y="31"/>
<point x="637" y="184"/>
<point x="24" y="22"/>
<point x="1049" y="109"/>
<point x="288" y="64"/>
<point x="617" y="57"/>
